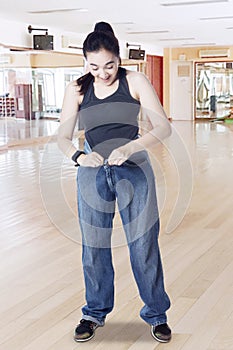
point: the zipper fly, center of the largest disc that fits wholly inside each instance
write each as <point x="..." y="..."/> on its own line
<point x="109" y="175"/>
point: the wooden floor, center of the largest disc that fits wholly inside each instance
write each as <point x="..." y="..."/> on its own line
<point x="41" y="283"/>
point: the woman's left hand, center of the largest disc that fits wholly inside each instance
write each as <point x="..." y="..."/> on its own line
<point x="118" y="156"/>
<point x="121" y="154"/>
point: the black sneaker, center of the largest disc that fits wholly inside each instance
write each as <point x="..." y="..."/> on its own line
<point x="161" y="333"/>
<point x="85" y="331"/>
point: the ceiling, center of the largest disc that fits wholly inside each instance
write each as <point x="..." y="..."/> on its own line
<point x="162" y="23"/>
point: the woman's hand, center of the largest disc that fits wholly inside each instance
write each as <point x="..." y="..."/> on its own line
<point x="121" y="154"/>
<point x="92" y="159"/>
<point x="118" y="156"/>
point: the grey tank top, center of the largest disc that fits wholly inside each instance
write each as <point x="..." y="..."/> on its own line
<point x="110" y="122"/>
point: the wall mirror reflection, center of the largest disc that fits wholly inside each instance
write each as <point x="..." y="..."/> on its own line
<point x="32" y="87"/>
<point x="45" y="85"/>
<point x="214" y="90"/>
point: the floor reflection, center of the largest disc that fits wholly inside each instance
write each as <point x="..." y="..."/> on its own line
<point x="14" y="130"/>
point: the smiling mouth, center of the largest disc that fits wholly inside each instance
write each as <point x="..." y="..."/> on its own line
<point x="105" y="80"/>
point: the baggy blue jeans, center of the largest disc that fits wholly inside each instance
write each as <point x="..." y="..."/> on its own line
<point x="132" y="186"/>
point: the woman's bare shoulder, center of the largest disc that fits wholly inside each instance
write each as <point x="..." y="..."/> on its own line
<point x="135" y="77"/>
<point x="73" y="86"/>
<point x="137" y="82"/>
<point x="73" y="91"/>
<point x="135" y="74"/>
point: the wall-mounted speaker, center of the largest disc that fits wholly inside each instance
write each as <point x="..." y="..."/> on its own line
<point x="136" y="54"/>
<point x="43" y="42"/>
<point x="229" y="65"/>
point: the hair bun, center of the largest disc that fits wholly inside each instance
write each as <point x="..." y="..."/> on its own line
<point x="103" y="27"/>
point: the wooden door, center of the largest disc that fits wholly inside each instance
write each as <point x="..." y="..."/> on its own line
<point x="154" y="71"/>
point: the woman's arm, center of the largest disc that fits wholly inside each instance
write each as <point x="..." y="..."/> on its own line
<point x="151" y="108"/>
<point x="68" y="120"/>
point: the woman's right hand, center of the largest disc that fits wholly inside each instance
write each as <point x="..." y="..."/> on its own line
<point x="92" y="159"/>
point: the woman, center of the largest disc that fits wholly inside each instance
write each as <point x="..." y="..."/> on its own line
<point x="114" y="165"/>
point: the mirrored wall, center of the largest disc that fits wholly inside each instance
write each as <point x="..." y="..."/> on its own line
<point x="46" y="86"/>
<point x="32" y="86"/>
<point x="214" y="90"/>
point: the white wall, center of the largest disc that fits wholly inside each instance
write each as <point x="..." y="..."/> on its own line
<point x="14" y="33"/>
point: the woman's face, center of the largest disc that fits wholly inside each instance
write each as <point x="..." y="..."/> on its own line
<point x="103" y="65"/>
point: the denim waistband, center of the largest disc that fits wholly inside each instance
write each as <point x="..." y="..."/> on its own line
<point x="87" y="150"/>
<point x="87" y="147"/>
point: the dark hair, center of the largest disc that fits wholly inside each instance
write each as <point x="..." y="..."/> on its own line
<point x="103" y="27"/>
<point x="101" y="38"/>
<point x="98" y="40"/>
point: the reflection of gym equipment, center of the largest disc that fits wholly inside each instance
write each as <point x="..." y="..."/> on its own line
<point x="228" y="118"/>
<point x="7" y="106"/>
<point x="203" y="90"/>
<point x="214" y="90"/>
<point x="213" y="101"/>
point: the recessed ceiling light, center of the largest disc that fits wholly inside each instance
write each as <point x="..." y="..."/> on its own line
<point x="150" y="32"/>
<point x="57" y="11"/>
<point x="123" y="23"/>
<point x="194" y="2"/>
<point x="214" y="18"/>
<point x="176" y="39"/>
<point x="200" y="44"/>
